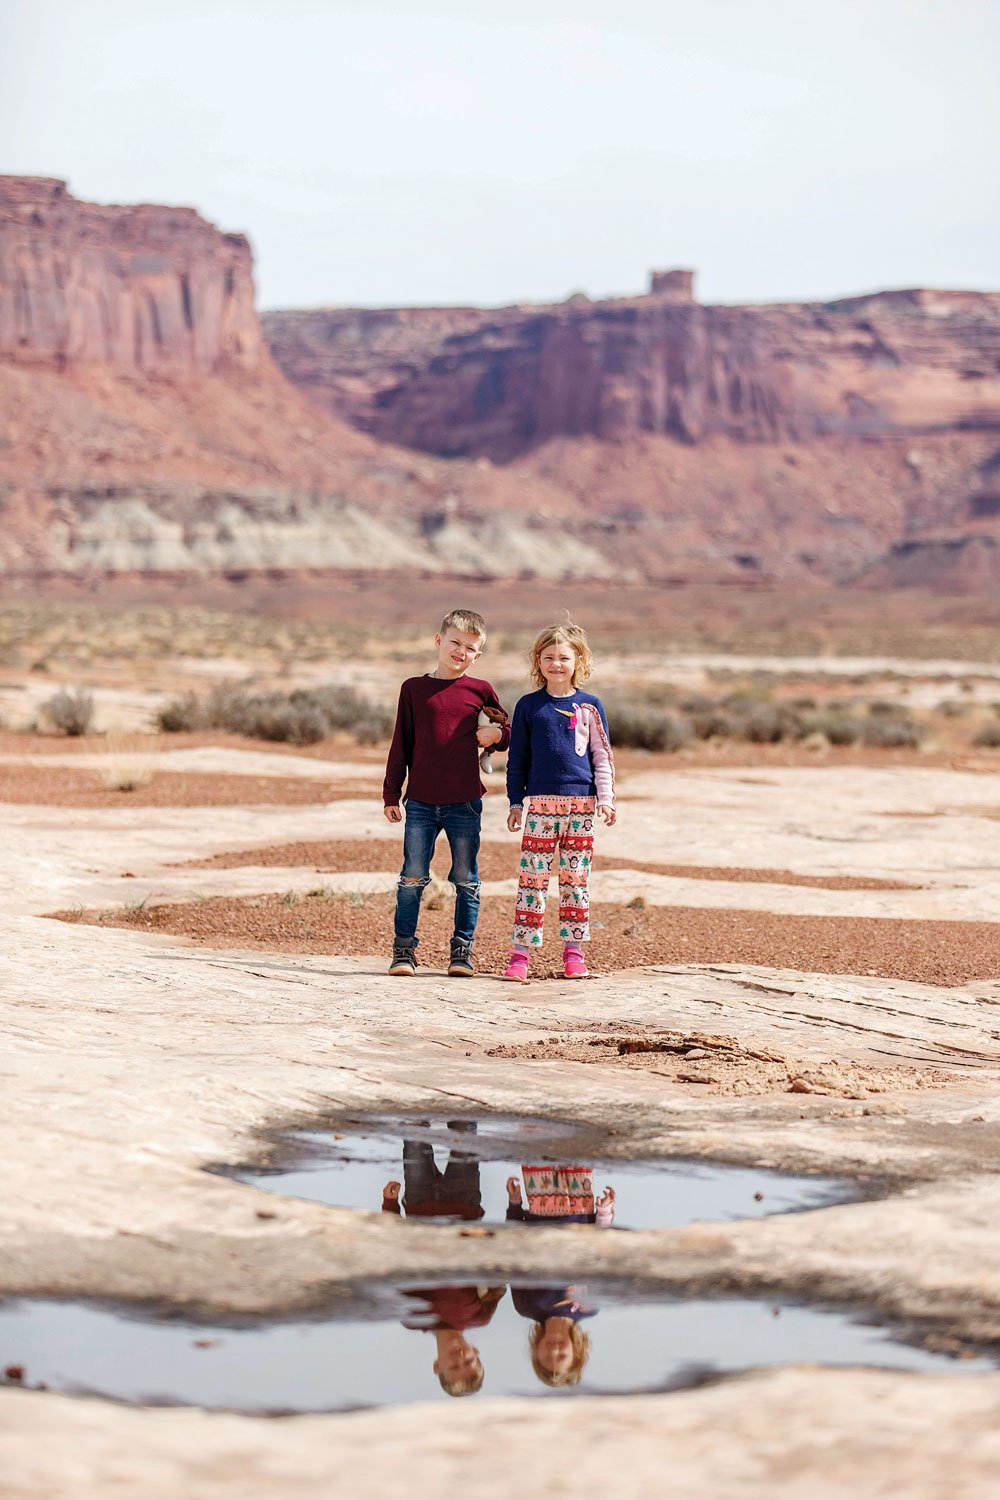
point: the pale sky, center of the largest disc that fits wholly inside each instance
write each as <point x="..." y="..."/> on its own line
<point x="457" y="151"/>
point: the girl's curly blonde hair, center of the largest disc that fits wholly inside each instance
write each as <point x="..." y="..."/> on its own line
<point x="563" y="635"/>
<point x="581" y="1353"/>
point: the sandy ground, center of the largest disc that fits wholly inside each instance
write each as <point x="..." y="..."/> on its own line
<point x="133" y="1058"/>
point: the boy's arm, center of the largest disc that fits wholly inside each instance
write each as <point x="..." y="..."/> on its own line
<point x="492" y="701"/>
<point x="518" y="757"/>
<point x="400" y="751"/>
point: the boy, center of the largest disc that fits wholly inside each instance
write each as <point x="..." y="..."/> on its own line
<point x="435" y="748"/>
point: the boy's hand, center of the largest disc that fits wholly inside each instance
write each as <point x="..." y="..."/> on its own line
<point x="394" y="814"/>
<point x="607" y="813"/>
<point x="490" y="734"/>
<point x="390" y="1193"/>
<point x="513" y="1190"/>
<point x="514" y="819"/>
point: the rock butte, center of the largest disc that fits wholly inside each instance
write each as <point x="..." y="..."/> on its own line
<point x="150" y="429"/>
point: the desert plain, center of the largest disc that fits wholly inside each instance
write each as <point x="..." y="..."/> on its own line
<point x="796" y="966"/>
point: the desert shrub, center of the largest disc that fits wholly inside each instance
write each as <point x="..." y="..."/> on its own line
<point x="765" y="725"/>
<point x="639" y="727"/>
<point x="72" y="713"/>
<point x="952" y="708"/>
<point x="715" y="723"/>
<point x="840" y="728"/>
<point x="988" y="737"/>
<point x="302" y="717"/>
<point x="180" y="714"/>
<point x="891" y="732"/>
<point x="696" y="703"/>
<point x="288" y="722"/>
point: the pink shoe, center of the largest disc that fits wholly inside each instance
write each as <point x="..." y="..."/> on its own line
<point x="517" y="970"/>
<point x="574" y="964"/>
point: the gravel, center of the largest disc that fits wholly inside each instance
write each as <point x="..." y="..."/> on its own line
<point x="945" y="953"/>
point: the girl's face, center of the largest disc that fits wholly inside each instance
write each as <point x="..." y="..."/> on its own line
<point x="557" y="664"/>
<point x="554" y="1349"/>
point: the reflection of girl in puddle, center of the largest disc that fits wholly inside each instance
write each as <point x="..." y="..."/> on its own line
<point x="557" y="1195"/>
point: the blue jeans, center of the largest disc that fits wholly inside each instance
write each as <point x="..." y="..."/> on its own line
<point x="461" y="823"/>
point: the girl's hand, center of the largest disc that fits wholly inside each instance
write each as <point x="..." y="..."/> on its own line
<point x="607" y="813"/>
<point x="514" y="819"/>
<point x="490" y="734"/>
<point x="390" y="1193"/>
<point x="607" y="1198"/>
<point x="513" y="1190"/>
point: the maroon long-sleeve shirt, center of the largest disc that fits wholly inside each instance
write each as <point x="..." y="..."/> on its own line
<point x="434" y="747"/>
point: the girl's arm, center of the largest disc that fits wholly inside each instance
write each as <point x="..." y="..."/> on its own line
<point x="518" y="757"/>
<point x="602" y="758"/>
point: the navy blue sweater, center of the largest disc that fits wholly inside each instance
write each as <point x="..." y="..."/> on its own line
<point x="542" y="759"/>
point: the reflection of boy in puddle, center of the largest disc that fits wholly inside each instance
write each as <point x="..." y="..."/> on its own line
<point x="557" y="1195"/>
<point x="456" y="1309"/>
<point x="454" y="1193"/>
<point x="430" y="1193"/>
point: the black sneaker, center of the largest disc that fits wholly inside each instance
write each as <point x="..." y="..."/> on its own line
<point x="404" y="957"/>
<point x="460" y="966"/>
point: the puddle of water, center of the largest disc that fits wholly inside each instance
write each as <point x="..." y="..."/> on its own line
<point x="459" y="1169"/>
<point x="373" y="1360"/>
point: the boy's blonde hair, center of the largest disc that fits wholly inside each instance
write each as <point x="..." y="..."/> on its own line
<point x="563" y="635"/>
<point x="467" y="1386"/>
<point x="581" y="1353"/>
<point x="465" y="619"/>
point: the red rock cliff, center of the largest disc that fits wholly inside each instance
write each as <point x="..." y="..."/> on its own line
<point x="460" y="382"/>
<point x="140" y="289"/>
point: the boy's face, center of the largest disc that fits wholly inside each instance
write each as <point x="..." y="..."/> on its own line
<point x="457" y="651"/>
<point x="457" y="1359"/>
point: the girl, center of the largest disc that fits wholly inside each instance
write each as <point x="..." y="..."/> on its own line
<point x="560" y="759"/>
<point x="558" y="1195"/>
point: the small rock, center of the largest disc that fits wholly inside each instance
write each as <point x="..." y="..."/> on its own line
<point x="758" y="1197"/>
<point x="265" y="1213"/>
<point x="476" y="1233"/>
<point x="884" y="1107"/>
<point x="978" y="1119"/>
<point x="696" y="1078"/>
<point x="15" y="1372"/>
<point x="205" y="1343"/>
<point x="696" y="1052"/>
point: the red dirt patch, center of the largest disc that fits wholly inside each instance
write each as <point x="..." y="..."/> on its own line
<point x="498" y="861"/>
<point x="66" y="786"/>
<point x="945" y="953"/>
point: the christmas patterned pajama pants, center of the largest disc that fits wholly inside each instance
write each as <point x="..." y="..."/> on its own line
<point x="551" y="823"/>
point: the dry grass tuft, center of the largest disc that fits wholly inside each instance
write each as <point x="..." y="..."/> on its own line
<point x="130" y="761"/>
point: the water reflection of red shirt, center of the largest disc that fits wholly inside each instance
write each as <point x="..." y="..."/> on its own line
<point x="433" y="1209"/>
<point x="459" y="1307"/>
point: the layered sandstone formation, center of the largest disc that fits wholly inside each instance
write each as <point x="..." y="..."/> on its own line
<point x="781" y="443"/>
<point x="498" y="384"/>
<point x="147" y="427"/>
<point x="142" y="289"/>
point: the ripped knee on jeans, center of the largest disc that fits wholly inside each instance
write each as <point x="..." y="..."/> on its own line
<point x="471" y="887"/>
<point x="413" y="880"/>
